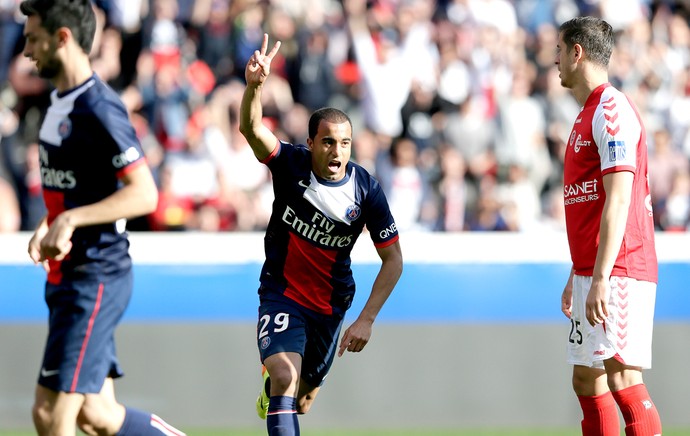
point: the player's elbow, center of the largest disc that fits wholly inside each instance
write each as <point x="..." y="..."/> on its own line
<point x="150" y="201"/>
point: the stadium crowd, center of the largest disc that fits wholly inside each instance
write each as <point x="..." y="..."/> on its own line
<point x="457" y="105"/>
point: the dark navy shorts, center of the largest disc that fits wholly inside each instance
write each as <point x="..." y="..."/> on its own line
<point x="80" y="350"/>
<point x="285" y="326"/>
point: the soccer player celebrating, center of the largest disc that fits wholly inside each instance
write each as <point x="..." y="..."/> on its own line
<point x="610" y="294"/>
<point x="94" y="176"/>
<point x="322" y="203"/>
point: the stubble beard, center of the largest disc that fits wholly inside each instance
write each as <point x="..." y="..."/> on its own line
<point x="50" y="69"/>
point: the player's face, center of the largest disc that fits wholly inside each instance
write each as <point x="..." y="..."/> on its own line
<point x="40" y="47"/>
<point x="564" y="63"/>
<point x="331" y="149"/>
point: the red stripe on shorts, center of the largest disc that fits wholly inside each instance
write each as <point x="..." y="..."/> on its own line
<point x="84" y="344"/>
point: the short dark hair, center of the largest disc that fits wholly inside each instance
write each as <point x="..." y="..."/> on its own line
<point x="330" y="114"/>
<point x="593" y="34"/>
<point x="77" y="15"/>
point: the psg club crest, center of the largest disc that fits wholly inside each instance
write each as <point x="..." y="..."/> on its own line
<point x="352" y="212"/>
<point x="265" y="342"/>
<point x="65" y="128"/>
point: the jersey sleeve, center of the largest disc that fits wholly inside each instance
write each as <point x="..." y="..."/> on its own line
<point x="123" y="149"/>
<point x="616" y="131"/>
<point x="380" y="222"/>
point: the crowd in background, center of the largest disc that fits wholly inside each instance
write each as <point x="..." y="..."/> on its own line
<point x="457" y="105"/>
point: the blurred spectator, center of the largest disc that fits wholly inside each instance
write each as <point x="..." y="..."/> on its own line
<point x="522" y="123"/>
<point x="405" y="187"/>
<point x="488" y="214"/>
<point x="452" y="191"/>
<point x="126" y="17"/>
<point x="313" y="81"/>
<point x="212" y="20"/>
<point x="455" y="102"/>
<point x="520" y="198"/>
<point x="665" y="163"/>
<point x="10" y="218"/>
<point x="676" y="211"/>
<point x="473" y="135"/>
<point x="388" y="61"/>
<point x="11" y="26"/>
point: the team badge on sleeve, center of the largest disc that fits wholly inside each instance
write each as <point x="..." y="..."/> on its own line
<point x="616" y="151"/>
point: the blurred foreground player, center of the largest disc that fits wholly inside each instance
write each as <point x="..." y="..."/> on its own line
<point x="94" y="176"/>
<point x="322" y="203"/>
<point x="611" y="291"/>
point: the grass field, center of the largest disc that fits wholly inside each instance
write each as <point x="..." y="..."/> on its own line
<point x="349" y="432"/>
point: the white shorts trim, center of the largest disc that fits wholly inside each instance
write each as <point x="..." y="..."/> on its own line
<point x="627" y="332"/>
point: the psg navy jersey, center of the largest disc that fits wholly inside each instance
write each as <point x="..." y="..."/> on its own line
<point x="86" y="143"/>
<point x="314" y="226"/>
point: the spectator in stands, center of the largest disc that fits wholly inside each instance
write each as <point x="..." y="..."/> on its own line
<point x="480" y="78"/>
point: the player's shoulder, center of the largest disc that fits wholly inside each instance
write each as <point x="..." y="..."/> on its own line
<point x="615" y="107"/>
<point x="292" y="153"/>
<point x="364" y="179"/>
<point x="612" y="98"/>
<point x="100" y="96"/>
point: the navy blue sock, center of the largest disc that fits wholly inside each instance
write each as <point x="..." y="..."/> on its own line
<point x="138" y="423"/>
<point x="282" y="417"/>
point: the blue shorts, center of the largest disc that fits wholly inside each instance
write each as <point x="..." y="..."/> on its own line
<point x="285" y="326"/>
<point x="80" y="350"/>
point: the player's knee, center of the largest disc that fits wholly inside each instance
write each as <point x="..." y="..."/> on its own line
<point x="582" y="385"/>
<point x="42" y="417"/>
<point x="283" y="379"/>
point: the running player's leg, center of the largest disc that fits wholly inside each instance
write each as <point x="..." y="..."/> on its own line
<point x="320" y="350"/>
<point x="55" y="413"/>
<point x="101" y="414"/>
<point x="306" y="396"/>
<point x="284" y="369"/>
<point x="68" y="371"/>
<point x="281" y="338"/>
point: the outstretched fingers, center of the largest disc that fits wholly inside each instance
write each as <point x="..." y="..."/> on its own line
<point x="274" y="50"/>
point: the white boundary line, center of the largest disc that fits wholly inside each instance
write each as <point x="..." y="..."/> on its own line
<point x="193" y="248"/>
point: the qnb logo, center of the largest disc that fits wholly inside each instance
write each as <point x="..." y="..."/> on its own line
<point x="125" y="158"/>
<point x="581" y="192"/>
<point x="60" y="179"/>
<point x="385" y="233"/>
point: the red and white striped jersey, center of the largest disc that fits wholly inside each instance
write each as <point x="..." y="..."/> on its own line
<point x="608" y="136"/>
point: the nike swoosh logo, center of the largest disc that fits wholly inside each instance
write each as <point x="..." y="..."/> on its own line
<point x="303" y="184"/>
<point x="45" y="373"/>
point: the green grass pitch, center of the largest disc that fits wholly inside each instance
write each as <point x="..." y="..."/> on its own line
<point x="350" y="432"/>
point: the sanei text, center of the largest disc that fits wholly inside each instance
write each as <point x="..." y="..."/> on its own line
<point x="580" y="192"/>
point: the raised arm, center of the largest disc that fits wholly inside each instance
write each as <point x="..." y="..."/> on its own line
<point x="260" y="137"/>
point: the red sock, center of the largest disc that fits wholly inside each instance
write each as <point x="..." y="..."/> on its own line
<point x="639" y="412"/>
<point x="600" y="415"/>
